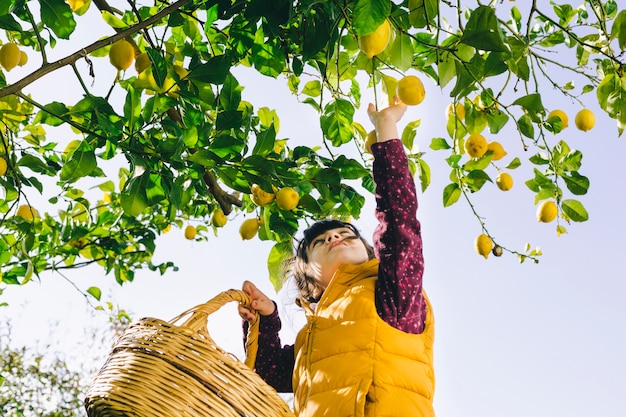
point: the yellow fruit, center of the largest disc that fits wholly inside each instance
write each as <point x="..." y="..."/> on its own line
<point x="459" y="110"/>
<point x="181" y="71"/>
<point x="27" y="212"/>
<point x="76" y="4"/>
<point x="375" y="42"/>
<point x="142" y="62"/>
<point x="287" y="198"/>
<point x="121" y="54"/>
<point x="504" y="181"/>
<point x="23" y="59"/>
<point x="3" y="166"/>
<point x="249" y="229"/>
<point x="166" y="229"/>
<point x="497" y="150"/>
<point x="561" y="115"/>
<point x="260" y="197"/>
<point x="483" y="245"/>
<point x="371" y="139"/>
<point x="476" y="145"/>
<point x="107" y="197"/>
<point x="585" y="120"/>
<point x="410" y="90"/>
<point x="9" y="56"/>
<point x="218" y="219"/>
<point x="190" y="232"/>
<point x="547" y="211"/>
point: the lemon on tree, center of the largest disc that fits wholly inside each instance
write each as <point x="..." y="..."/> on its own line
<point x="497" y="151"/>
<point x="3" y="166"/>
<point x="27" y="212"/>
<point x="218" y="218"/>
<point x="287" y="198"/>
<point x="9" y="55"/>
<point x="261" y="197"/>
<point x="561" y="115"/>
<point x="504" y="181"/>
<point x="410" y="90"/>
<point x="585" y="120"/>
<point x="483" y="245"/>
<point x="476" y="145"/>
<point x="142" y="62"/>
<point x="249" y="228"/>
<point x="547" y="211"/>
<point x="374" y="43"/>
<point x="458" y="110"/>
<point x="190" y="232"/>
<point x="23" y="59"/>
<point x="122" y="54"/>
<point x="371" y="139"/>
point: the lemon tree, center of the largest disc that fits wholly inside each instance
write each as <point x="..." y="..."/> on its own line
<point x="186" y="143"/>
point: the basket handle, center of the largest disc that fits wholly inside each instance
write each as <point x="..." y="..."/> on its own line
<point x="200" y="316"/>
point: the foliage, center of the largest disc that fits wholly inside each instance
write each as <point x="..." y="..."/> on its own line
<point x="41" y="381"/>
<point x="184" y="143"/>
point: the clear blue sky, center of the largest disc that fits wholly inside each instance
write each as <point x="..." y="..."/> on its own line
<point x="512" y="339"/>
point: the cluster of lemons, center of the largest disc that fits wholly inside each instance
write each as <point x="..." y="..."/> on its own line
<point x="286" y="198"/>
<point x="12" y="56"/>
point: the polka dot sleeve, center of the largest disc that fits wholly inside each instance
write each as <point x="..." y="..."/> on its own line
<point x="397" y="240"/>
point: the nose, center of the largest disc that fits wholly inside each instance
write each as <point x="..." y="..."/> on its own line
<point x="332" y="235"/>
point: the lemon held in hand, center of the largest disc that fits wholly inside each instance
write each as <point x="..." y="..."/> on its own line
<point x="375" y="42"/>
<point x="410" y="90"/>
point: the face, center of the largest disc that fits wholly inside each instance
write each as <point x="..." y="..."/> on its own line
<point x="334" y="248"/>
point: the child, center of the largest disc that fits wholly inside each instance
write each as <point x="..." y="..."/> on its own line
<point x="366" y="349"/>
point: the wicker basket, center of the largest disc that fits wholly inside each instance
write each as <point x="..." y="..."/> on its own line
<point x="161" y="369"/>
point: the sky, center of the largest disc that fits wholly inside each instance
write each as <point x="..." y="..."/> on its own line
<point x="512" y="339"/>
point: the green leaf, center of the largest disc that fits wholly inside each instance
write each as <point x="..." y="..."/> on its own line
<point x="423" y="12"/>
<point x="230" y="95"/>
<point x="612" y="98"/>
<point x="575" y="210"/>
<point x="369" y="15"/>
<point x="424" y="174"/>
<point x="58" y="16"/>
<point x="279" y="253"/>
<point x="438" y="144"/>
<point x="515" y="163"/>
<point x="214" y="71"/>
<point x="133" y="199"/>
<point x="268" y="59"/>
<point x="317" y="32"/>
<point x="336" y="122"/>
<point x="483" y="30"/>
<point x="95" y="292"/>
<point x="401" y="55"/>
<point x="451" y="194"/>
<point x="81" y="164"/>
<point x="576" y="183"/>
<point x="526" y="127"/>
<point x="7" y="22"/>
<point x="265" y="141"/>
<point x="476" y="179"/>
<point x="618" y="31"/>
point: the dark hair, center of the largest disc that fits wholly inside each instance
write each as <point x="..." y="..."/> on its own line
<point x="299" y="266"/>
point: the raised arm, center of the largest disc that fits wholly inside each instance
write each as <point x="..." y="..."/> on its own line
<point x="397" y="238"/>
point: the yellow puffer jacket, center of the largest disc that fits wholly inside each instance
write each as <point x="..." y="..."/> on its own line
<point x="349" y="362"/>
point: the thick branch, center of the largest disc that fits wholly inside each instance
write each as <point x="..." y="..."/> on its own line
<point x="70" y="59"/>
<point x="225" y="200"/>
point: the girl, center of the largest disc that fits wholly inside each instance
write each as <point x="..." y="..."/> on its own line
<point x="366" y="349"/>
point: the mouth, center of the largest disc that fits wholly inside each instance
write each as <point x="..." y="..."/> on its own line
<point x="335" y="244"/>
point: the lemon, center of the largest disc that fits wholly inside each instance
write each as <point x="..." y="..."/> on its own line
<point x="459" y="110"/>
<point x="27" y="212"/>
<point x="190" y="232"/>
<point x="142" y="62"/>
<point x="3" y="166"/>
<point x="249" y="228"/>
<point x="483" y="245"/>
<point x="287" y="198"/>
<point x="121" y="54"/>
<point x="261" y="197"/>
<point x="475" y="145"/>
<point x="561" y="115"/>
<point x="23" y="59"/>
<point x="585" y="120"/>
<point x="547" y="211"/>
<point x="218" y="219"/>
<point x="76" y="4"/>
<point x="375" y="42"/>
<point x="497" y="150"/>
<point x="166" y="229"/>
<point x="410" y="90"/>
<point x="371" y="139"/>
<point x="504" y="181"/>
<point x="9" y="55"/>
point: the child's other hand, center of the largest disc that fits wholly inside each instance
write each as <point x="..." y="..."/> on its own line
<point x="260" y="302"/>
<point x="385" y="120"/>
